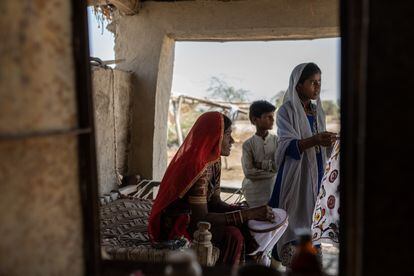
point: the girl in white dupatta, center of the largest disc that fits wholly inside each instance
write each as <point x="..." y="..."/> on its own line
<point x="301" y="153"/>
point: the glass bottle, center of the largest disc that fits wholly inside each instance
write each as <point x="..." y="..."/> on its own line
<point x="182" y="263"/>
<point x="305" y="261"/>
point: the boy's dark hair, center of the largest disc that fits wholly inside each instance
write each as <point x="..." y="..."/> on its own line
<point x="227" y="122"/>
<point x="309" y="70"/>
<point x="258" y="108"/>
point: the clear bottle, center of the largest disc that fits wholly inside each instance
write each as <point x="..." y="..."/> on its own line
<point x="182" y="263"/>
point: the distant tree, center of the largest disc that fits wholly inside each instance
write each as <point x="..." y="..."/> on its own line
<point x="277" y="99"/>
<point x="331" y="108"/>
<point x="219" y="89"/>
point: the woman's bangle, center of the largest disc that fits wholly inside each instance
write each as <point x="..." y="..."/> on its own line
<point x="234" y="218"/>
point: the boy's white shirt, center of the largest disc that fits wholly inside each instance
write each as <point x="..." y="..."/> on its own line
<point x="258" y="183"/>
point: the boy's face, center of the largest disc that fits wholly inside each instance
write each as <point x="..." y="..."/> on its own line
<point x="265" y="121"/>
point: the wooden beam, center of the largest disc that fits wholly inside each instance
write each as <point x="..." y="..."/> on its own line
<point x="177" y="116"/>
<point x="223" y="105"/>
<point x="127" y="7"/>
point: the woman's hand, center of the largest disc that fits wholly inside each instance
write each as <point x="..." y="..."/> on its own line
<point x="325" y="139"/>
<point x="260" y="213"/>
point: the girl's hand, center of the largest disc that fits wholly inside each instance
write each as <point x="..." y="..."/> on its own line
<point x="325" y="139"/>
<point x="260" y="213"/>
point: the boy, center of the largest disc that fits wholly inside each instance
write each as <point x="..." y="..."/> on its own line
<point x="258" y="158"/>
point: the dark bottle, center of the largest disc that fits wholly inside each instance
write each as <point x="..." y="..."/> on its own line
<point x="306" y="260"/>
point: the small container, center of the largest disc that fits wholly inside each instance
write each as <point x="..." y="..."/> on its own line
<point x="114" y="195"/>
<point x="305" y="261"/>
<point x="107" y="198"/>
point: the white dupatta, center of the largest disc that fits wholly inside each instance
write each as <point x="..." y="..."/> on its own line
<point x="299" y="185"/>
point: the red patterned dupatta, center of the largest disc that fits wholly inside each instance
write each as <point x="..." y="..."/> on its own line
<point x="201" y="147"/>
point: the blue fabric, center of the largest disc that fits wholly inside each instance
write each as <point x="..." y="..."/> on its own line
<point x="293" y="152"/>
<point x="311" y="119"/>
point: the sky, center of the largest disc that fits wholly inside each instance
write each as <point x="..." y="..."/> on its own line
<point x="263" y="68"/>
<point x="101" y="41"/>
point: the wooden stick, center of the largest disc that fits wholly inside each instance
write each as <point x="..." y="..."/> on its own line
<point x="216" y="104"/>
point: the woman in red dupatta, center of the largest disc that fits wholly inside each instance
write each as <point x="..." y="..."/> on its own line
<point x="190" y="192"/>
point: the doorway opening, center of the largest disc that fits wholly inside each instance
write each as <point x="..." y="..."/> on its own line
<point x="228" y="77"/>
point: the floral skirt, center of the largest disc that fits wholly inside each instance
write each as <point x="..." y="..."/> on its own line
<point x="325" y="224"/>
